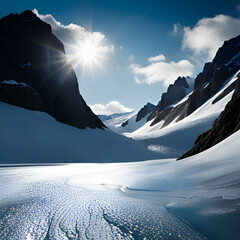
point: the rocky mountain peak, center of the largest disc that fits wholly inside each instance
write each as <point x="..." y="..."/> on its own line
<point x="175" y="92"/>
<point x="181" y="82"/>
<point x="213" y="77"/>
<point x="31" y="54"/>
<point x="29" y="16"/>
<point x="146" y="109"/>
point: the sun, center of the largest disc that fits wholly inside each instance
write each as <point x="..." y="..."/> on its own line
<point x="88" y="52"/>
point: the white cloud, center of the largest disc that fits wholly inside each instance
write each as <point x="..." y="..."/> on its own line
<point x="110" y="108"/>
<point x="176" y="29"/>
<point x="157" y="58"/>
<point x="165" y="72"/>
<point x="204" y="39"/>
<point x="121" y="47"/>
<point x="131" y="57"/>
<point x="73" y="34"/>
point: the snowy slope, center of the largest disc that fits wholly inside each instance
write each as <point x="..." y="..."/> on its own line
<point x="160" y="199"/>
<point x="115" y="120"/>
<point x="31" y="136"/>
<point x="217" y="165"/>
<point x="176" y="138"/>
<point x="132" y="125"/>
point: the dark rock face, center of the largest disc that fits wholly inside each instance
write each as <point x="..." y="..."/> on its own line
<point x="178" y="113"/>
<point x="201" y="76"/>
<point x="21" y="95"/>
<point x="124" y="124"/>
<point x="32" y="56"/>
<point x="224" y="65"/>
<point x="161" y="116"/>
<point x="227" y="123"/>
<point x="175" y="92"/>
<point x="149" y="107"/>
<point x="198" y="97"/>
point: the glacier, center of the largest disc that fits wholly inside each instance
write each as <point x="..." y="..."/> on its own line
<point x="160" y="199"/>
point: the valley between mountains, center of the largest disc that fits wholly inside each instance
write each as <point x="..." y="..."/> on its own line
<point x="168" y="171"/>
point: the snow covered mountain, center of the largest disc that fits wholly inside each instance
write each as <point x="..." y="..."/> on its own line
<point x="207" y="84"/>
<point x="35" y="73"/>
<point x="227" y="124"/>
<point x="114" y="121"/>
<point x="175" y="92"/>
<point x="172" y="131"/>
<point x="138" y="120"/>
<point x="185" y="111"/>
<point x="127" y="122"/>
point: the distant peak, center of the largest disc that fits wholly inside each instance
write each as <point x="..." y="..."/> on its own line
<point x="146" y="109"/>
<point x="181" y="82"/>
<point x="149" y="105"/>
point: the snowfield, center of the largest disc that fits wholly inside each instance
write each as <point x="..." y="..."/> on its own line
<point x="161" y="199"/>
<point x="31" y="136"/>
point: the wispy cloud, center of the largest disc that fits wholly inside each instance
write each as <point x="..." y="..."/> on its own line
<point x="110" y="108"/>
<point x="162" y="71"/>
<point x="204" y="39"/>
<point x="176" y="29"/>
<point x="157" y="58"/>
<point x="131" y="57"/>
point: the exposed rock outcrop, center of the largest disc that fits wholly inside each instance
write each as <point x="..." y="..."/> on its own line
<point x="224" y="65"/>
<point x="200" y="79"/>
<point x="227" y="123"/>
<point x="175" y="93"/>
<point x="124" y="124"/>
<point x="34" y="60"/>
<point x="146" y="109"/>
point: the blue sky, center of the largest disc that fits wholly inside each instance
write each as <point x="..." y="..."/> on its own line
<point x="139" y="30"/>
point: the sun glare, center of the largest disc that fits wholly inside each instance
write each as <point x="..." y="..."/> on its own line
<point x="87" y="54"/>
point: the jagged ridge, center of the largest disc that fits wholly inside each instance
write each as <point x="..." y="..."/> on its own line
<point x="227" y="124"/>
<point x="207" y="84"/>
